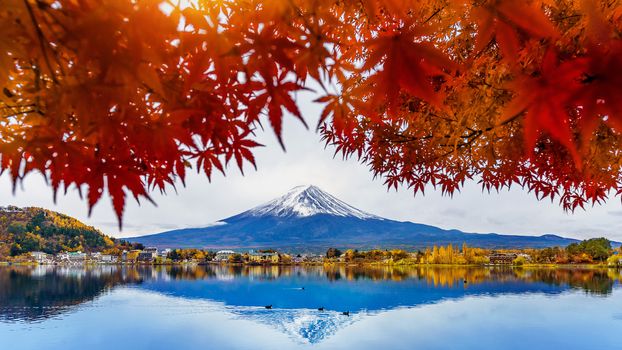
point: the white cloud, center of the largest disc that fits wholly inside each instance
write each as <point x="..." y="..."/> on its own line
<point x="306" y="161"/>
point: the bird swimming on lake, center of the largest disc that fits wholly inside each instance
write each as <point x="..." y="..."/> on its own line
<point x="320" y="308"/>
<point x="268" y="306"/>
<point x="346" y="313"/>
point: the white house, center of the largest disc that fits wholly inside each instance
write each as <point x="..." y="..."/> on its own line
<point x="223" y="255"/>
<point x="72" y="257"/>
<point x="40" y="257"/>
<point x="108" y="259"/>
<point x="164" y="253"/>
<point x="76" y="257"/>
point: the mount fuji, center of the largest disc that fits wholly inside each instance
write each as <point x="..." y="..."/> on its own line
<point x="307" y="219"/>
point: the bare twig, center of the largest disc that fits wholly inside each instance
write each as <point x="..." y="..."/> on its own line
<point x="433" y="15"/>
<point x="42" y="40"/>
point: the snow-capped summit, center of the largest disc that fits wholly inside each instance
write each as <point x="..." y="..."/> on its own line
<point x="302" y="325"/>
<point x="307" y="219"/>
<point x="308" y="200"/>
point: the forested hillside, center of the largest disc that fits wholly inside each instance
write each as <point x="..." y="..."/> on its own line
<point x="30" y="229"/>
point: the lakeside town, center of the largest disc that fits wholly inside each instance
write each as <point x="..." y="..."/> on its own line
<point x="152" y="255"/>
<point x="583" y="253"/>
<point x="39" y="236"/>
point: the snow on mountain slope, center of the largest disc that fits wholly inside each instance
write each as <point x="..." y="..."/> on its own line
<point x="305" y="201"/>
<point x="307" y="219"/>
<point x="304" y="326"/>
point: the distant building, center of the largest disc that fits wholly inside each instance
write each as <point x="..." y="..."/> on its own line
<point x="96" y="256"/>
<point x="108" y="259"/>
<point x="72" y="257"/>
<point x="502" y="258"/>
<point x="223" y="255"/>
<point x="40" y="257"/>
<point x="76" y="256"/>
<point x="264" y="258"/>
<point x="11" y="209"/>
<point x="148" y="254"/>
<point x="164" y="253"/>
<point x="314" y="258"/>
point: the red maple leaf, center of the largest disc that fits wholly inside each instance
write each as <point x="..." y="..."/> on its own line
<point x="408" y="63"/>
<point x="600" y="95"/>
<point x="545" y="99"/>
<point x="500" y="19"/>
<point x="276" y="96"/>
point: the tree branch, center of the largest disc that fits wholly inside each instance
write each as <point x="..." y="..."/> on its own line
<point x="42" y="40"/>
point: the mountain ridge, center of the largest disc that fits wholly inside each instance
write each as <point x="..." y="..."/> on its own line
<point x="308" y="219"/>
<point x="28" y="229"/>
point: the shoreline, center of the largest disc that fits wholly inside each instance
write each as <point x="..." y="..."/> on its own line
<point x="327" y="264"/>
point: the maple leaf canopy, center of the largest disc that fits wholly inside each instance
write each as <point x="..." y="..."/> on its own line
<point x="124" y="96"/>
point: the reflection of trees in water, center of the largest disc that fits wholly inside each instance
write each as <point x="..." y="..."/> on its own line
<point x="594" y="281"/>
<point x="35" y="293"/>
<point x="259" y="272"/>
<point x="437" y="276"/>
<point x="184" y="272"/>
<point x="376" y="273"/>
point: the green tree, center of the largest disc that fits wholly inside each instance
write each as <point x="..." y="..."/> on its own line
<point x="596" y="248"/>
<point x="17" y="228"/>
<point x="16" y="249"/>
<point x="333" y="253"/>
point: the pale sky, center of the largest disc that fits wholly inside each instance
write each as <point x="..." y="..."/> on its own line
<point x="308" y="162"/>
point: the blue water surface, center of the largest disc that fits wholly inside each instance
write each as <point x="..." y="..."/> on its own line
<point x="224" y="307"/>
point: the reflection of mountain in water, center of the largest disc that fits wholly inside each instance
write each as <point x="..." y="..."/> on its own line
<point x="30" y="294"/>
<point x="356" y="289"/>
<point x="308" y="326"/>
<point x="363" y="291"/>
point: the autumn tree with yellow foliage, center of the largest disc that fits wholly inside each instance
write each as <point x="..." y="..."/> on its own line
<point x="24" y="230"/>
<point x="126" y="96"/>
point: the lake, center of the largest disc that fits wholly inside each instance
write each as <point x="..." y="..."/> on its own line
<point x="224" y="307"/>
